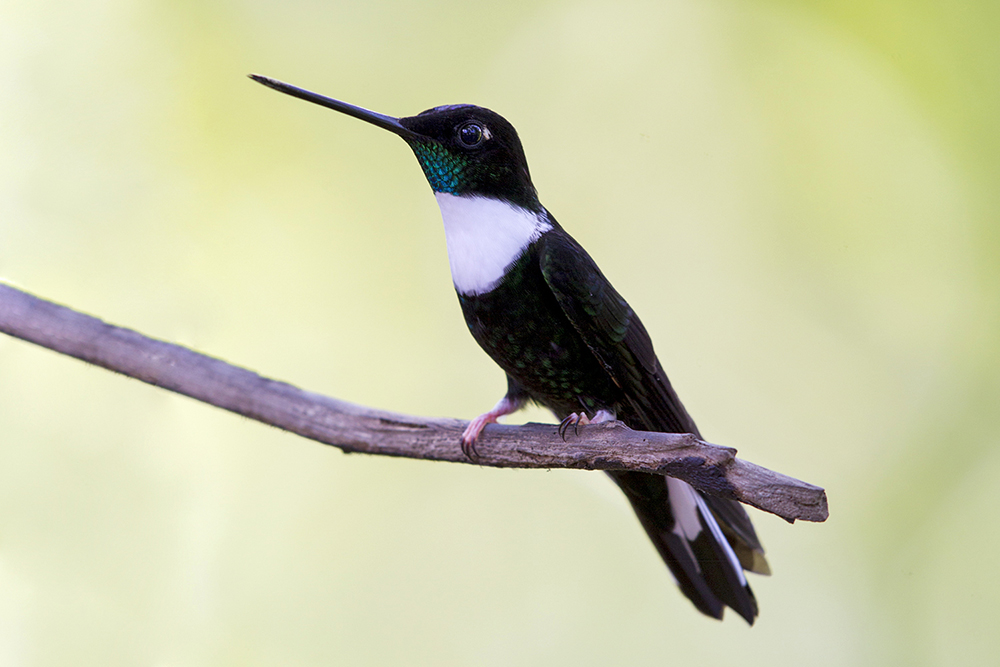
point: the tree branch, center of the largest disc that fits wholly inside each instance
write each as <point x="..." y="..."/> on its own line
<point x="354" y="428"/>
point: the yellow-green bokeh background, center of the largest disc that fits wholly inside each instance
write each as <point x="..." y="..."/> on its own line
<point x="800" y="199"/>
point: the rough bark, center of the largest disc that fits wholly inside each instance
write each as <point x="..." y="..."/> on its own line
<point x="352" y="428"/>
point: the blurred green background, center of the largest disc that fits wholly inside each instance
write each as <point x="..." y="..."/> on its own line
<point x="800" y="199"/>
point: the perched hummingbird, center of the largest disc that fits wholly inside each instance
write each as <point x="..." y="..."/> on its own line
<point x="536" y="302"/>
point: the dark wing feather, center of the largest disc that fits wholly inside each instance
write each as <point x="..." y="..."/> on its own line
<point x="615" y="335"/>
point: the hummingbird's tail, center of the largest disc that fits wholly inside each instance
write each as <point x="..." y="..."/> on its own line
<point x="706" y="555"/>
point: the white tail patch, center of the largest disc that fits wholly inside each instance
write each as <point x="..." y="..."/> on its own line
<point x="690" y="511"/>
<point x="484" y="237"/>
<point x="713" y="526"/>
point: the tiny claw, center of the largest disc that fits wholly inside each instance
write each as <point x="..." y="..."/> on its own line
<point x="574" y="419"/>
<point x="471" y="435"/>
<point x="563" y="425"/>
<point x="469" y="449"/>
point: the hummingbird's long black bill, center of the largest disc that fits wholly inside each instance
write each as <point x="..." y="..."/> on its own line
<point x="375" y="118"/>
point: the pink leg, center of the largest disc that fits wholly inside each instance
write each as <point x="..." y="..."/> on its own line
<point x="504" y="406"/>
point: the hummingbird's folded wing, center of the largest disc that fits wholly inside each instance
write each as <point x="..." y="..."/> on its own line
<point x="614" y="333"/>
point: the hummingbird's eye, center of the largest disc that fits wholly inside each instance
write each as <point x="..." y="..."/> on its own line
<point x="472" y="134"/>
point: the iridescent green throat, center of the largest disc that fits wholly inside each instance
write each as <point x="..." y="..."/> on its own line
<point x="445" y="171"/>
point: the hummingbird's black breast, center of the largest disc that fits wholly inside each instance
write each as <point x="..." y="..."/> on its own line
<point x="521" y="325"/>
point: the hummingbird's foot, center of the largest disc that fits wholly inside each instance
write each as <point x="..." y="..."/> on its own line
<point x="577" y="419"/>
<point x="504" y="406"/>
<point x="469" y="447"/>
<point x="573" y="419"/>
<point x="471" y="434"/>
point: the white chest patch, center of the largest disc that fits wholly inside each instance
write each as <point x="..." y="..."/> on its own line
<point x="484" y="237"/>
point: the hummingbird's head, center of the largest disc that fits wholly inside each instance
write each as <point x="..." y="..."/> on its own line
<point x="468" y="150"/>
<point x="463" y="149"/>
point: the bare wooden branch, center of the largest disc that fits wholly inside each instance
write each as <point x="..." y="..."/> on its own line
<point x="354" y="428"/>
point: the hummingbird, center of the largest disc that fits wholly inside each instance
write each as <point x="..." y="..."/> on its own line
<point x="540" y="307"/>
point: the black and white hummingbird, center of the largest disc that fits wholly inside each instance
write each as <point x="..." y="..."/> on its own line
<point x="537" y="303"/>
